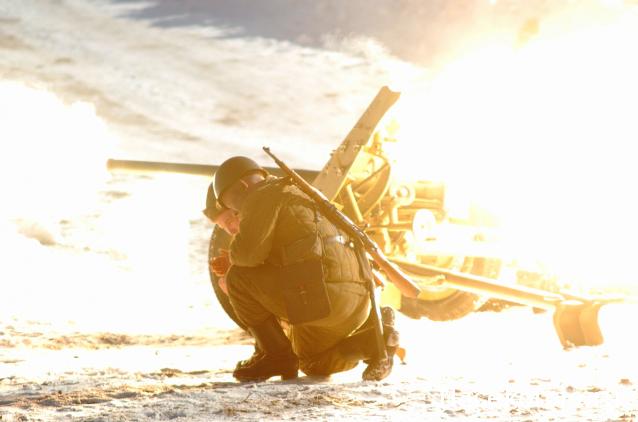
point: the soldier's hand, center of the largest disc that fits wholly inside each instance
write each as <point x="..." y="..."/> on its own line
<point x="220" y="264"/>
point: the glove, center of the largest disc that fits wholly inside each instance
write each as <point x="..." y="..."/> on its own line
<point x="220" y="264"/>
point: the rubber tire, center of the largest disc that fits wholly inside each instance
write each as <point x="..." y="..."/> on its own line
<point x="219" y="240"/>
<point x="457" y="305"/>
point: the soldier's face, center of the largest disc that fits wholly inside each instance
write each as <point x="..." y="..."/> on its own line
<point x="229" y="221"/>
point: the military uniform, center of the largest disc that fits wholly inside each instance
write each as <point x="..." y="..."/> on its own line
<point x="281" y="226"/>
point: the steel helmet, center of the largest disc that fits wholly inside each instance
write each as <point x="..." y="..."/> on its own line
<point x="232" y="170"/>
<point x="213" y="209"/>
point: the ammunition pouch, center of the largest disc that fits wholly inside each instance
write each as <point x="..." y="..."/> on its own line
<point x="303" y="285"/>
<point x="304" y="292"/>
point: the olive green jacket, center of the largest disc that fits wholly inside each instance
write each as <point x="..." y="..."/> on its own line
<point x="280" y="226"/>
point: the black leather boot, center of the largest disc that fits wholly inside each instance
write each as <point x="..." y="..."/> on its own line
<point x="247" y="362"/>
<point x="276" y="359"/>
<point x="379" y="369"/>
<point x="360" y="346"/>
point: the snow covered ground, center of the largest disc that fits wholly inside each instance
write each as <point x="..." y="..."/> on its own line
<point x="487" y="366"/>
<point x="106" y="311"/>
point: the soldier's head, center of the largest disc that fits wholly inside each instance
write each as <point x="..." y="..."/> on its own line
<point x="234" y="180"/>
<point x="224" y="217"/>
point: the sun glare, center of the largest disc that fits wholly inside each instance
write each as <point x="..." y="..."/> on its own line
<point x="122" y="239"/>
<point x="543" y="136"/>
<point x="52" y="156"/>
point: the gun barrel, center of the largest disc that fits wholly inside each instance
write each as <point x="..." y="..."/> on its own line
<point x="205" y="170"/>
<point x="114" y="165"/>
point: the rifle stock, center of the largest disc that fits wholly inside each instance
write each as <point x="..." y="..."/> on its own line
<point x="394" y="274"/>
<point x="406" y="286"/>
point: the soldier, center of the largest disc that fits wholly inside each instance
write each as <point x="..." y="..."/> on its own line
<point x="282" y="243"/>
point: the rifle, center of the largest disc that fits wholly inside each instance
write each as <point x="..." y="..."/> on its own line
<point x="395" y="275"/>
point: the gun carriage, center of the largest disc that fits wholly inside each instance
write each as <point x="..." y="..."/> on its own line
<point x="410" y="223"/>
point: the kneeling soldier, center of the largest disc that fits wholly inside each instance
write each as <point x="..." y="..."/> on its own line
<point x="291" y="263"/>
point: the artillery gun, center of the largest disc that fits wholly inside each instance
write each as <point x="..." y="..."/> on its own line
<point x="409" y="221"/>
